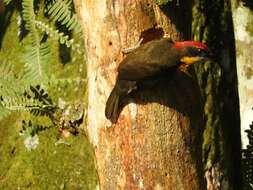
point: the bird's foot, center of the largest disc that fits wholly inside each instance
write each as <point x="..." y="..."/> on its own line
<point x="184" y="68"/>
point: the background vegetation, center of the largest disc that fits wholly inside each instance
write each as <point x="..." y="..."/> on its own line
<point x="42" y="94"/>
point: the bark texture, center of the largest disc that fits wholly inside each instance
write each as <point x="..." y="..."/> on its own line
<point x="243" y="25"/>
<point x="218" y="80"/>
<point x="156" y="143"/>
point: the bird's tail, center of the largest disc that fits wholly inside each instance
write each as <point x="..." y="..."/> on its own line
<point x="112" y="105"/>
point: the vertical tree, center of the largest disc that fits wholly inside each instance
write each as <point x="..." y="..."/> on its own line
<point x="218" y="81"/>
<point x="242" y="17"/>
<point x="243" y="27"/>
<point x="157" y="141"/>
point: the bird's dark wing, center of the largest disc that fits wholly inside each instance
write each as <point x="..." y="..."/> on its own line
<point x="148" y="60"/>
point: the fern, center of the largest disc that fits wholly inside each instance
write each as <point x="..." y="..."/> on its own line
<point x="36" y="54"/>
<point x="18" y="93"/>
<point x="29" y="17"/>
<point x="12" y="102"/>
<point x="163" y="2"/>
<point x="6" y="2"/>
<point x="37" y="60"/>
<point x="15" y="96"/>
<point x="55" y="34"/>
<point x="61" y="11"/>
<point x="20" y="103"/>
<point x="3" y="112"/>
<point x="37" y="102"/>
<point x="10" y="86"/>
<point x="67" y="81"/>
<point x="46" y="104"/>
<point x="8" y="78"/>
<point x="30" y="129"/>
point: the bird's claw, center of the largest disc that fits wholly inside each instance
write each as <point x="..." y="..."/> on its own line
<point x="184" y="68"/>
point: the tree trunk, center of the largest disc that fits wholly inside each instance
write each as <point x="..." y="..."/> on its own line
<point x="243" y="22"/>
<point x="157" y="141"/>
<point x="243" y="25"/>
<point x="218" y="81"/>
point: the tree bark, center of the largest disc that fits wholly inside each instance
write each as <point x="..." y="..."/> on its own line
<point x="218" y="81"/>
<point x="156" y="143"/>
<point x="243" y="22"/>
<point x="242" y="17"/>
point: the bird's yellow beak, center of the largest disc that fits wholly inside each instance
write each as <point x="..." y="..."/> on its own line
<point x="190" y="60"/>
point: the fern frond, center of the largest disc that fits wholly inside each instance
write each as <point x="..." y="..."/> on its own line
<point x="3" y="112"/>
<point x="9" y="104"/>
<point x="10" y="86"/>
<point x="55" y="34"/>
<point x="6" y="71"/>
<point x="69" y="81"/>
<point x="31" y="129"/>
<point x="37" y="55"/>
<point x="20" y="103"/>
<point x="36" y="101"/>
<point x="60" y="11"/>
<point x="45" y="104"/>
<point x="28" y="15"/>
<point x="163" y="2"/>
<point x="6" y="2"/>
<point x="37" y="58"/>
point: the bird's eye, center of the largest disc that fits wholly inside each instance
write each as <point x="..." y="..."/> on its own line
<point x="199" y="50"/>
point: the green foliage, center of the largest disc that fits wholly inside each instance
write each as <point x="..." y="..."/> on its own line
<point x="55" y="34"/>
<point x="17" y="91"/>
<point x="45" y="106"/>
<point x="247" y="160"/>
<point x="52" y="165"/>
<point x="162" y="2"/>
<point x="37" y="54"/>
<point x="16" y="96"/>
<point x="20" y="103"/>
<point x="37" y="59"/>
<point x="10" y="90"/>
<point x="30" y="129"/>
<point x="61" y="11"/>
<point x="54" y="161"/>
<point x="28" y="15"/>
<point x="6" y="2"/>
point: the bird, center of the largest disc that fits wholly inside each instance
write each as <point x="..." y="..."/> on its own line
<point x="151" y="60"/>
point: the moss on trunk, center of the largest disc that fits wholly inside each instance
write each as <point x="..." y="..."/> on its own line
<point x="218" y="80"/>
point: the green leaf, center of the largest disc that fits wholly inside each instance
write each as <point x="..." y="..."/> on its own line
<point x="61" y="11"/>
<point x="55" y="34"/>
<point x="6" y="2"/>
<point x="162" y="2"/>
<point x="37" y="58"/>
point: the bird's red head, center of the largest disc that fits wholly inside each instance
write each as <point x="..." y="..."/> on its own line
<point x="192" y="51"/>
<point x="184" y="44"/>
